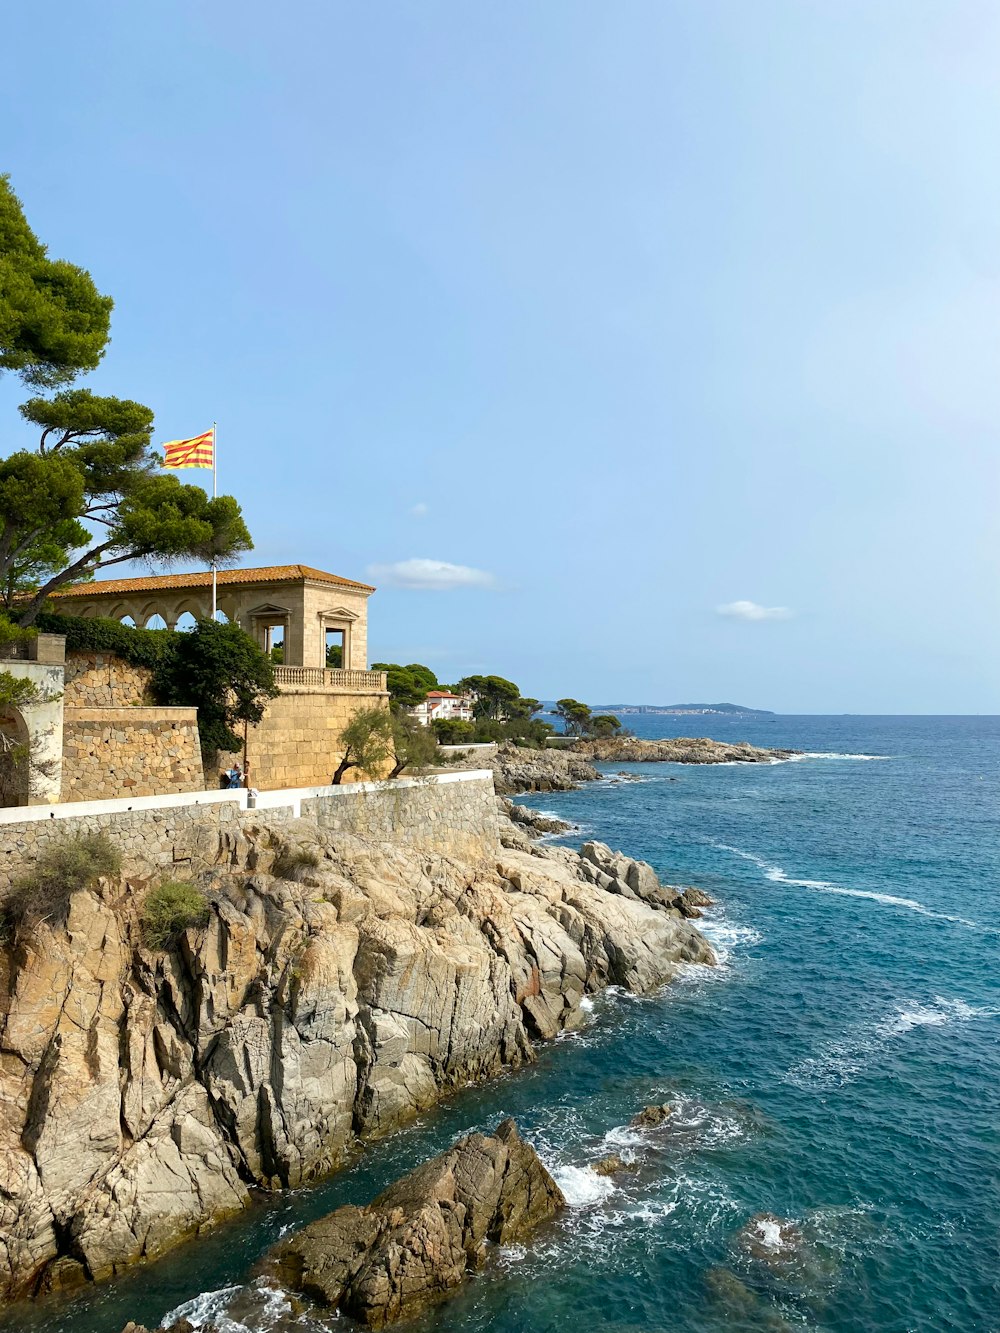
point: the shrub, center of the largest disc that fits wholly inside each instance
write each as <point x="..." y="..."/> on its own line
<point x="292" y="862"/>
<point x="453" y="730"/>
<point x="169" y="909"/>
<point x="98" y="634"/>
<point x="60" y="871"/>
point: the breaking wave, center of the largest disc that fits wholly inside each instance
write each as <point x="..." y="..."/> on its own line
<point x="844" y="1060"/>
<point x="777" y="875"/>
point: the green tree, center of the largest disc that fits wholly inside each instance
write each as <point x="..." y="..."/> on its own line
<point x="495" y="697"/>
<point x="93" y="484"/>
<point x="91" y="494"/>
<point x="407" y="685"/>
<point x="53" y="321"/>
<point x="604" y="725"/>
<point x="453" y="730"/>
<point x="368" y="744"/>
<point x="222" y="672"/>
<point x="414" y="746"/>
<point x="575" y="716"/>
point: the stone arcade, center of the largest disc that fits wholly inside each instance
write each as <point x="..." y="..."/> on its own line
<point x="103" y="739"/>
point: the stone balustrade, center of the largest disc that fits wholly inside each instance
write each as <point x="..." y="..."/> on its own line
<point x="364" y="682"/>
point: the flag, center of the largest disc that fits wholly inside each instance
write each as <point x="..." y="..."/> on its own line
<point x="196" y="452"/>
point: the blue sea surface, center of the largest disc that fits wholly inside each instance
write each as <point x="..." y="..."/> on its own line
<point x="839" y="1070"/>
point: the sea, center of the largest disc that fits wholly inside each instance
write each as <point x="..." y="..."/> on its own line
<point x="832" y="1160"/>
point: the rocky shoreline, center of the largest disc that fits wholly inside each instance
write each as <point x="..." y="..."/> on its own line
<point x="518" y="770"/>
<point x="678" y="750"/>
<point x="340" y="986"/>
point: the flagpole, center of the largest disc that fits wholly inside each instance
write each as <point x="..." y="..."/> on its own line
<point x="215" y="493"/>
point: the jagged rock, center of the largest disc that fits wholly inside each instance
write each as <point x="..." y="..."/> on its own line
<point x="414" y="1244"/>
<point x="612" y="1165"/>
<point x="677" y="750"/>
<point x="517" y="769"/>
<point x="144" y="1095"/>
<point x="533" y="821"/>
<point x="697" y="897"/>
<point x="651" y="1116"/>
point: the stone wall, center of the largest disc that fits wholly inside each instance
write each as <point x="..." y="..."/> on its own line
<point x="455" y="814"/>
<point x="455" y="818"/>
<point x="296" y="744"/>
<point x="101" y="680"/>
<point x="110" y="752"/>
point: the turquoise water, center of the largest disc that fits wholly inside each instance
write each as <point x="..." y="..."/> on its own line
<point x="840" y="1069"/>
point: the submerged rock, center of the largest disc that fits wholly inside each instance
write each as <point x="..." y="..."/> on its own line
<point x="770" y="1239"/>
<point x="651" y="1116"/>
<point x="415" y="1243"/>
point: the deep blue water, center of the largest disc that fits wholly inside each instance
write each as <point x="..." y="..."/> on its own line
<point x="840" y="1069"/>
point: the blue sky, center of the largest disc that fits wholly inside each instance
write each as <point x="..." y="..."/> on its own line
<point x="629" y="311"/>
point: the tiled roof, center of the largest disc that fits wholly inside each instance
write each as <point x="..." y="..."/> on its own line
<point x="442" y="694"/>
<point x="202" y="578"/>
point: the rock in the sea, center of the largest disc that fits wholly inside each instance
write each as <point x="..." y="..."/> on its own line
<point x="677" y="750"/>
<point x="651" y="1116"/>
<point x="415" y="1243"/>
<point x="770" y="1239"/>
<point x="612" y="1165"/>
<point x="697" y="897"/>
<point x="532" y="821"/>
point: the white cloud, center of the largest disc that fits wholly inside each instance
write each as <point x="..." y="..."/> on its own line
<point x="753" y="611"/>
<point x="420" y="510"/>
<point x="435" y="574"/>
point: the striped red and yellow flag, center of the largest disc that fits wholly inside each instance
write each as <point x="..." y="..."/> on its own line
<point x="196" y="452"/>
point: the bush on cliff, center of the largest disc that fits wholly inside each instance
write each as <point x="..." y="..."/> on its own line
<point x="60" y="871"/>
<point x="169" y="909"/>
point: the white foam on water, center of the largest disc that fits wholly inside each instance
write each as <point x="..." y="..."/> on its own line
<point x="844" y="1060"/>
<point x="831" y="754"/>
<point x="210" y="1305"/>
<point x="213" y="1308"/>
<point x="769" y="1233"/>
<point x="777" y="875"/>
<point x="587" y="1004"/>
<point x="582" y="1187"/>
<point x="620" y="1139"/>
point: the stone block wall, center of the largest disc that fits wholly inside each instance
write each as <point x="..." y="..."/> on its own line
<point x="438" y="814"/>
<point x="101" y="680"/>
<point x="296" y="744"/>
<point x="454" y="815"/>
<point x="109" y="752"/>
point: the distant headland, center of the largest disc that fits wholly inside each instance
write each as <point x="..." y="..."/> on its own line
<point x="686" y="710"/>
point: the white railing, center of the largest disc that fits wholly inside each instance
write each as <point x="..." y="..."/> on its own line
<point x="366" y="682"/>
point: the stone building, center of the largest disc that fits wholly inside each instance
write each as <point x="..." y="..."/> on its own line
<point x="104" y="738"/>
<point x="314" y="611"/>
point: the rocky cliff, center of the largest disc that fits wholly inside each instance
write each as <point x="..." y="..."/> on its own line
<point x="339" y="986"/>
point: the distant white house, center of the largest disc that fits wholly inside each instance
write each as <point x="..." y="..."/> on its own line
<point x="441" y="704"/>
